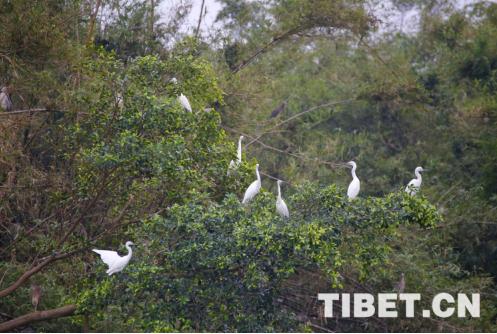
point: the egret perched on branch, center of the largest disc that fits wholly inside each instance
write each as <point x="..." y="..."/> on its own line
<point x="5" y="101"/>
<point x="182" y="98"/>
<point x="355" y="185"/>
<point x="414" y="185"/>
<point x="254" y="187"/>
<point x="281" y="207"/>
<point x="115" y="262"/>
<point x="234" y="164"/>
<point x="184" y="102"/>
<point x="35" y="295"/>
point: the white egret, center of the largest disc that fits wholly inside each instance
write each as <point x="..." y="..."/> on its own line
<point x="174" y="80"/>
<point x="5" y="101"/>
<point x="254" y="187"/>
<point x="281" y="207"/>
<point x="115" y="262"/>
<point x="234" y="164"/>
<point x="414" y="185"/>
<point x="184" y="102"/>
<point x="355" y="185"/>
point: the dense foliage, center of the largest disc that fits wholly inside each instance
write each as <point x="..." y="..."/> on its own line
<point x="102" y="152"/>
<point x="223" y="267"/>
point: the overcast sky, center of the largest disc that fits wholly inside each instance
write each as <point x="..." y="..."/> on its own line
<point x="212" y="8"/>
<point x="390" y="21"/>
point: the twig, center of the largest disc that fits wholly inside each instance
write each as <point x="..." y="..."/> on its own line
<point x="5" y="315"/>
<point x="320" y="328"/>
<point x="276" y="178"/>
<point x="31" y="272"/>
<point x="315" y="160"/>
<point x="300" y="114"/>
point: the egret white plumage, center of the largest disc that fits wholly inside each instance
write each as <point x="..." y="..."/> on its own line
<point x="281" y="207"/>
<point x="5" y="101"/>
<point x="184" y="102"/>
<point x="182" y="98"/>
<point x="414" y="185"/>
<point x="234" y="164"/>
<point x="254" y="187"/>
<point x="114" y="261"/>
<point x="355" y="185"/>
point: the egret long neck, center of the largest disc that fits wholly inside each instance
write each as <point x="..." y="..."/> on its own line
<point x="258" y="175"/>
<point x="130" y="252"/>
<point x="353" y="172"/>
<point x="239" y="152"/>
<point x="279" y="190"/>
<point x="418" y="175"/>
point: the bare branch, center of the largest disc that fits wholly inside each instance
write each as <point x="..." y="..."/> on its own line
<point x="295" y="155"/>
<point x="24" y="277"/>
<point x="264" y="49"/>
<point x="200" y="19"/>
<point x="23" y="320"/>
<point x="24" y="111"/>
<point x="329" y="104"/>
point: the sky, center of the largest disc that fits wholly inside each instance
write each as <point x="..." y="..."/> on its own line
<point x="212" y="8"/>
<point x="391" y="20"/>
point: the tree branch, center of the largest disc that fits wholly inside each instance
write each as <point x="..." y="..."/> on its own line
<point x="263" y="49"/>
<point x="91" y="25"/>
<point x="17" y="112"/>
<point x="329" y="104"/>
<point x="24" y="277"/>
<point x="295" y="155"/>
<point x="23" y="320"/>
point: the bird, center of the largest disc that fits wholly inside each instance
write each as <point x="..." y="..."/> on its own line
<point x="35" y="295"/>
<point x="234" y="164"/>
<point x="184" y="102"/>
<point x="115" y="262"/>
<point x="355" y="185"/>
<point x="278" y="110"/>
<point x="5" y="101"/>
<point x="182" y="98"/>
<point x="401" y="285"/>
<point x="254" y="187"/>
<point x="414" y="185"/>
<point x="281" y="207"/>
